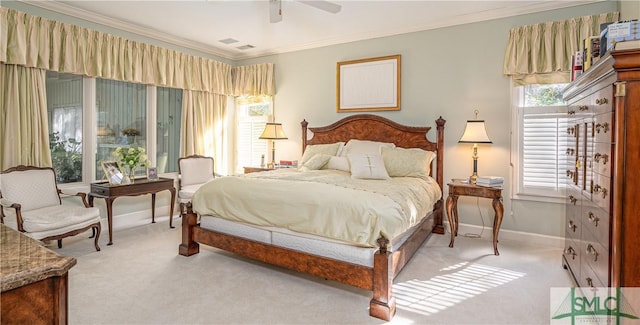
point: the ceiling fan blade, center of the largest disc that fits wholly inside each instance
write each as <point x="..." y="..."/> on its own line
<point x="324" y="5"/>
<point x="275" y="11"/>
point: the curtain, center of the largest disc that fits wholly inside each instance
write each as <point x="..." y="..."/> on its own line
<point x="541" y="53"/>
<point x="204" y="129"/>
<point x="24" y="136"/>
<point x="34" y="41"/>
<point x="254" y="80"/>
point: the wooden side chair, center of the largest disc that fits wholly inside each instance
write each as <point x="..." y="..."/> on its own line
<point x="194" y="171"/>
<point x="30" y="202"/>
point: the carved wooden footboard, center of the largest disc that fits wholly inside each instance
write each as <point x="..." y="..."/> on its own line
<point x="387" y="263"/>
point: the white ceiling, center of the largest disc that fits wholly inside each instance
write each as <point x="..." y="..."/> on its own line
<point x="200" y="25"/>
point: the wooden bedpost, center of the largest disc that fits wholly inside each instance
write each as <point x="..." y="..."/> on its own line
<point x="383" y="303"/>
<point x="304" y="125"/>
<point x="189" y="220"/>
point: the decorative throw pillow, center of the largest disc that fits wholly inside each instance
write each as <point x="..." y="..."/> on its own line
<point x="367" y="166"/>
<point x="314" y="149"/>
<point x="401" y="162"/>
<point x="338" y="163"/>
<point x="361" y="147"/>
<point x="316" y="162"/>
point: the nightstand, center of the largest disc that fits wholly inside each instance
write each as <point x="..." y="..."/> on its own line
<point x="248" y="170"/>
<point x="457" y="189"/>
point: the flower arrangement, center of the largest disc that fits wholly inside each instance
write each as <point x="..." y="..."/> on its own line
<point x="131" y="157"/>
<point x="130" y="131"/>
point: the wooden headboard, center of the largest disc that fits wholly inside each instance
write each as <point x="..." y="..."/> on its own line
<point x="377" y="128"/>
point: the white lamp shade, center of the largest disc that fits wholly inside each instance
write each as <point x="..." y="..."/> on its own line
<point x="273" y="131"/>
<point x="475" y="132"/>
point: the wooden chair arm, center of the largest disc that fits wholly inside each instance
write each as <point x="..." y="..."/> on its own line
<point x="6" y="204"/>
<point x="81" y="195"/>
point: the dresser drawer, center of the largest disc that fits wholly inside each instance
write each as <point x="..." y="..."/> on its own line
<point x="601" y="190"/>
<point x="602" y="101"/>
<point x="602" y="158"/>
<point x="572" y="256"/>
<point x="596" y="221"/>
<point x="588" y="277"/>
<point x="596" y="256"/>
<point x="603" y="127"/>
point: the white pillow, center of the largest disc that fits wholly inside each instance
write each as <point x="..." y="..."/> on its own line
<point x="362" y="147"/>
<point x="316" y="162"/>
<point x="338" y="163"/>
<point x="401" y="162"/>
<point x="314" y="149"/>
<point x="367" y="167"/>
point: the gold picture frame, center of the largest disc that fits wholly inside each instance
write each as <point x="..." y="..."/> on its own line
<point x="112" y="172"/>
<point x="371" y="84"/>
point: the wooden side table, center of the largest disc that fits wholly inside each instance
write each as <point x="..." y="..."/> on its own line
<point x="457" y="189"/>
<point x="248" y="170"/>
<point x="140" y="186"/>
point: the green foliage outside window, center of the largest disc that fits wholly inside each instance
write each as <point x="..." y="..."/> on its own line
<point x="66" y="157"/>
<point x="543" y="95"/>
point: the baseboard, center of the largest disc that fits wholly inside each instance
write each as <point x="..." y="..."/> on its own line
<point x="139" y="218"/>
<point x="505" y="234"/>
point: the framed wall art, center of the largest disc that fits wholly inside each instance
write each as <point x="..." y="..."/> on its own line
<point x="368" y="84"/>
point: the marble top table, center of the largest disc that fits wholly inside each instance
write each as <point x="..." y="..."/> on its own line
<point x="23" y="260"/>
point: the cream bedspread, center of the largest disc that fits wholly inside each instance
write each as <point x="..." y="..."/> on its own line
<point x="326" y="203"/>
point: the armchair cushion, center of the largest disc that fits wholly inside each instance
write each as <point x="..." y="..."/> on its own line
<point x="186" y="192"/>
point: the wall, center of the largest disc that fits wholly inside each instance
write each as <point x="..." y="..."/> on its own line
<point x="448" y="72"/>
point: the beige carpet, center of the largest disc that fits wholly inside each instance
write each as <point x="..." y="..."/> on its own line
<point x="141" y="279"/>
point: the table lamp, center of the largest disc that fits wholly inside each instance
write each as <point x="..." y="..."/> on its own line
<point x="475" y="132"/>
<point x="273" y="131"/>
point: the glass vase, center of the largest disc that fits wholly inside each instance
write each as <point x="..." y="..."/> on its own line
<point x="131" y="174"/>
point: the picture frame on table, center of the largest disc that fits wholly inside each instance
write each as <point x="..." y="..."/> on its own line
<point x="112" y="172"/>
<point x="152" y="173"/>
<point x="371" y="84"/>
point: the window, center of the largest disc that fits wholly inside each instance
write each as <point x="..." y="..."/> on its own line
<point x="121" y="113"/>
<point x="540" y="144"/>
<point x="252" y="114"/>
<point x="64" y="109"/>
<point x="169" y="115"/>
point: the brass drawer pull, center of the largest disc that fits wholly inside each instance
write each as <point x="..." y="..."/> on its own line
<point x="593" y="219"/>
<point x="570" y="151"/>
<point x="573" y="199"/>
<point x="592" y="251"/>
<point x="571" y="130"/>
<point x="583" y="108"/>
<point x="602" y="101"/>
<point x="570" y="173"/>
<point x="604" y="126"/>
<point x="570" y="112"/>
<point x="599" y="189"/>
<point x="599" y="156"/>
<point x="572" y="225"/>
<point x="572" y="252"/>
<point x="589" y="282"/>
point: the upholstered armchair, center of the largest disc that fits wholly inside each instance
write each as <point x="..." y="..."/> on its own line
<point x="30" y="202"/>
<point x="194" y="171"/>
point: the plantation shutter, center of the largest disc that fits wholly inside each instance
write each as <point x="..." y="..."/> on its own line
<point x="544" y="147"/>
<point x="250" y="148"/>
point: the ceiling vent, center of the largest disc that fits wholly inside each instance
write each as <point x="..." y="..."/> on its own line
<point x="245" y="47"/>
<point x="228" y="41"/>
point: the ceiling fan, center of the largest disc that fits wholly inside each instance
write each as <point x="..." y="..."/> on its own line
<point x="275" y="8"/>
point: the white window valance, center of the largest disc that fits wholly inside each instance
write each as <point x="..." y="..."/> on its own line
<point x="541" y="53"/>
<point x="37" y="42"/>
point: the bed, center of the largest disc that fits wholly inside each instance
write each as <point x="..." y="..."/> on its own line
<point x="363" y="264"/>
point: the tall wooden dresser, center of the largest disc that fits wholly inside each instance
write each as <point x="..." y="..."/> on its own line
<point x="602" y="245"/>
